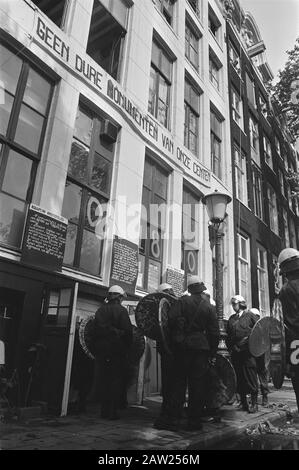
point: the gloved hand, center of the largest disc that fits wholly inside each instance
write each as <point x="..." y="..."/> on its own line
<point x="236" y="348"/>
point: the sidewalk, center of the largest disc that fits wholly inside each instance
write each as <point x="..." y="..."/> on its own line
<point x="134" y="430"/>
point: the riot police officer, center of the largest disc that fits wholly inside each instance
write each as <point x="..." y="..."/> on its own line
<point x="289" y="296"/>
<point x="113" y="338"/>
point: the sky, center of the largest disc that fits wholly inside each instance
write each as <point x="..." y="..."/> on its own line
<point x="278" y="22"/>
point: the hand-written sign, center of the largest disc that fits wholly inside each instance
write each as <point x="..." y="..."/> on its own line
<point x="175" y="277"/>
<point x="124" y="266"/>
<point x="44" y="239"/>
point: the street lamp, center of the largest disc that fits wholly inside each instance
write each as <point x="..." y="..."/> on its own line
<point x="216" y="203"/>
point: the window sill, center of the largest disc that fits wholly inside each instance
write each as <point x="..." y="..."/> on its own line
<point x="81" y="275"/>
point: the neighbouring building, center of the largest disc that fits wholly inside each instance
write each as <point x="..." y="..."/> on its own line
<point x="110" y="108"/>
<point x="265" y="214"/>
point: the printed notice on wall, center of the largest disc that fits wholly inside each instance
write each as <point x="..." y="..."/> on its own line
<point x="124" y="265"/>
<point x="44" y="239"/>
<point x="175" y="277"/>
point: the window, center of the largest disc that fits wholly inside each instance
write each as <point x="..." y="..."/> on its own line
<point x="194" y="4"/>
<point x="214" y="71"/>
<point x="216" y="144"/>
<point x="262" y="279"/>
<point x="160" y="85"/>
<point x="234" y="58"/>
<point x="106" y="34"/>
<point x="258" y="206"/>
<point x="24" y="113"/>
<point x="263" y="106"/>
<point x="273" y="214"/>
<point x="268" y="152"/>
<point x="254" y="140"/>
<point x="153" y="220"/>
<point x="293" y="240"/>
<point x="191" y="46"/>
<point x="56" y="11"/>
<point x="86" y="194"/>
<point x="244" y="267"/>
<point x="214" y="25"/>
<point x="286" y="236"/>
<point x="289" y="197"/>
<point x="190" y="233"/>
<point x="240" y="175"/>
<point x="281" y="182"/>
<point x="166" y="8"/>
<point x="277" y="145"/>
<point x="250" y="88"/>
<point x="237" y="109"/>
<point x="191" y="124"/>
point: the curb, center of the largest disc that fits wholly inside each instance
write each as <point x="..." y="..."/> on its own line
<point x="222" y="436"/>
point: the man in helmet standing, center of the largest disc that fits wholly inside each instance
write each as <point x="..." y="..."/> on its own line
<point x="239" y="328"/>
<point x="167" y="369"/>
<point x="112" y="342"/>
<point x="289" y="296"/>
<point x="194" y="335"/>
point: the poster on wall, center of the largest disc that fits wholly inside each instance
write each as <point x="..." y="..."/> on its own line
<point x="44" y="239"/>
<point x="176" y="278"/>
<point x="124" y="264"/>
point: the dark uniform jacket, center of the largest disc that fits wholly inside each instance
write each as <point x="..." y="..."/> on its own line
<point x="289" y="297"/>
<point x="193" y="325"/>
<point x="239" y="329"/>
<point x="113" y="329"/>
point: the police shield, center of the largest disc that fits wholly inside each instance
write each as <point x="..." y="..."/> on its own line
<point x="87" y="340"/>
<point x="151" y="315"/>
<point x="267" y="337"/>
<point x="222" y="383"/>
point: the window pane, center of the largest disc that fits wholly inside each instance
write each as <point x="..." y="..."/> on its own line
<point x="17" y="175"/>
<point x="83" y="127"/>
<point x="95" y="211"/>
<point x="29" y="129"/>
<point x="160" y="184"/>
<point x="70" y="244"/>
<point x="100" y="173"/>
<point x="78" y="161"/>
<point x="5" y="110"/>
<point x="72" y="202"/>
<point x="37" y="92"/>
<point x="10" y="67"/>
<point x="12" y="217"/>
<point x="152" y="92"/>
<point x="119" y="11"/>
<point x="91" y="252"/>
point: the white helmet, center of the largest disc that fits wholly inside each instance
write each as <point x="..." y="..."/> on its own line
<point x="288" y="260"/>
<point x="193" y="280"/>
<point x="255" y="311"/>
<point x="238" y="299"/>
<point x="116" y="290"/>
<point x="164" y="287"/>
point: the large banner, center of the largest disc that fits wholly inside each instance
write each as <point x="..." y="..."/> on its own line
<point x="44" y="239"/>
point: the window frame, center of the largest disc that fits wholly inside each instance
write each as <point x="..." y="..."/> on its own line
<point x="263" y="281"/>
<point x="246" y="262"/>
<point x="216" y="163"/>
<point x="237" y="108"/>
<point x="240" y="169"/>
<point x="273" y="209"/>
<point x="88" y="190"/>
<point x="190" y="110"/>
<point x="257" y="187"/>
<point x="159" y="74"/>
<point x="8" y="143"/>
<point x="145" y="253"/>
<point x="268" y="152"/>
<point x="189" y="32"/>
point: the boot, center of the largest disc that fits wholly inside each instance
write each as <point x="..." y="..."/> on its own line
<point x="253" y="406"/>
<point x="244" y="403"/>
<point x="265" y="401"/>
